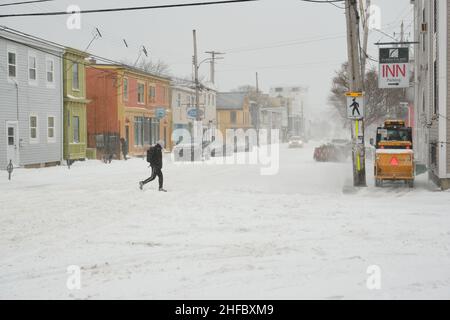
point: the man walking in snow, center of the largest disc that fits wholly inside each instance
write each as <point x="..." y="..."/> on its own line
<point x="154" y="156"/>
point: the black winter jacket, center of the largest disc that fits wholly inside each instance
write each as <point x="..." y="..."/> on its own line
<point x="156" y="157"/>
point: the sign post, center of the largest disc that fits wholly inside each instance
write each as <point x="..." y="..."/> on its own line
<point x="355" y="105"/>
<point x="356" y="113"/>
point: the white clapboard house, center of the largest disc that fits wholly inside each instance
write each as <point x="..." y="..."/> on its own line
<point x="30" y="101"/>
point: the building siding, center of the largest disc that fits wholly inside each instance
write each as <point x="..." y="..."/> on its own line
<point x="33" y="99"/>
<point x="448" y="90"/>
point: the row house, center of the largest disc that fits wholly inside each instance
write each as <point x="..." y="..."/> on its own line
<point x="128" y="103"/>
<point x="432" y="97"/>
<point x="75" y="117"/>
<point x="184" y="112"/>
<point x="31" y="104"/>
<point x="233" y="111"/>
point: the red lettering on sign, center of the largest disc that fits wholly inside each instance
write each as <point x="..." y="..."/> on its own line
<point x="393" y="70"/>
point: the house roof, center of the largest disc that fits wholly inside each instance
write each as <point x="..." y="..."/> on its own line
<point x="231" y="100"/>
<point x="130" y="69"/>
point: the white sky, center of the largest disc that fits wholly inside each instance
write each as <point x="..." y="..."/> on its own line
<point x="280" y="37"/>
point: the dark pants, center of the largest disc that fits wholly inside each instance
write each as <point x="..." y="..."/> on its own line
<point x="156" y="172"/>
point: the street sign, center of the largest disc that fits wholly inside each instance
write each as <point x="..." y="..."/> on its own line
<point x="192" y="113"/>
<point x="355" y="107"/>
<point x="394" y="68"/>
<point x="160" y="113"/>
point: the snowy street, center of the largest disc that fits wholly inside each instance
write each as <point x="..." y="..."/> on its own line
<point x="221" y="232"/>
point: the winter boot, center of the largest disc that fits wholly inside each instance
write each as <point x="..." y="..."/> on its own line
<point x="162" y="190"/>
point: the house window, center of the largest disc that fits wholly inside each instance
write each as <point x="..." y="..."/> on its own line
<point x="76" y="129"/>
<point x="155" y="131"/>
<point x="152" y="93"/>
<point x="138" y="131"/>
<point x="75" y="76"/>
<point x="50" y="71"/>
<point x="12" y="64"/>
<point x="179" y="100"/>
<point x="141" y="90"/>
<point x="33" y="128"/>
<point x="125" y="89"/>
<point x="165" y="94"/>
<point x="51" y="128"/>
<point x="32" y="68"/>
<point x="233" y="117"/>
<point x="188" y="101"/>
<point x="147" y="130"/>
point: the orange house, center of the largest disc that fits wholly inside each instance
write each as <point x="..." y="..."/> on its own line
<point x="126" y="103"/>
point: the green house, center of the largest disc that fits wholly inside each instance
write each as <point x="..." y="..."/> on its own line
<point x="75" y="121"/>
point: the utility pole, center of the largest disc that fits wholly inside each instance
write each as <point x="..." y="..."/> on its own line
<point x="197" y="94"/>
<point x="214" y="57"/>
<point x="366" y="14"/>
<point x="257" y="111"/>
<point x="356" y="86"/>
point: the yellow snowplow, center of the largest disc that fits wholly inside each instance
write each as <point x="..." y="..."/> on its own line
<point x="394" y="157"/>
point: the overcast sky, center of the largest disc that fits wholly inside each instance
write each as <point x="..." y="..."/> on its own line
<point x="289" y="42"/>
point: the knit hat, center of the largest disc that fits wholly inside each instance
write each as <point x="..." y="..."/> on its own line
<point x="161" y="143"/>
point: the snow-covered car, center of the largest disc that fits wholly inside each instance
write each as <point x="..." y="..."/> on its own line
<point x="295" y="142"/>
<point x="338" y="150"/>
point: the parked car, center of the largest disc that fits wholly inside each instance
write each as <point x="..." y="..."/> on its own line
<point x="295" y="142"/>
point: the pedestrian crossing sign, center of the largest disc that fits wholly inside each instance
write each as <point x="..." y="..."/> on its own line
<point x="355" y="107"/>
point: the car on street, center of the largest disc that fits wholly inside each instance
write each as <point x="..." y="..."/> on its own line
<point x="295" y="142"/>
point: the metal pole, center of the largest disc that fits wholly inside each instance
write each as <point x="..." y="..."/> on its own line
<point x="356" y="85"/>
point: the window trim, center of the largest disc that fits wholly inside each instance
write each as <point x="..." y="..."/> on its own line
<point x="51" y="139"/>
<point x="52" y="83"/>
<point x="125" y="93"/>
<point x="73" y="129"/>
<point x="152" y="93"/>
<point x="11" y="49"/>
<point x="73" y="74"/>
<point x="33" y="82"/>
<point x="143" y="94"/>
<point x="33" y="140"/>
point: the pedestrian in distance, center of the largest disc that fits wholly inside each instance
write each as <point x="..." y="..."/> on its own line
<point x="154" y="157"/>
<point x="124" y="144"/>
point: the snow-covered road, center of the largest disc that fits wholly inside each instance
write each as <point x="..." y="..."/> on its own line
<point x="220" y="232"/>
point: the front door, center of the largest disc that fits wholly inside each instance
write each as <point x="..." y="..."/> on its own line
<point x="12" y="142"/>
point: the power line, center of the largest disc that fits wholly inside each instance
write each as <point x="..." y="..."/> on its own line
<point x="22" y="2"/>
<point x="165" y="6"/>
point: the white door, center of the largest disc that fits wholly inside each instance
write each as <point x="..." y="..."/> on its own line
<point x="12" y="142"/>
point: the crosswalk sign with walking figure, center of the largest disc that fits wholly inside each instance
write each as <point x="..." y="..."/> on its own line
<point x="355" y="107"/>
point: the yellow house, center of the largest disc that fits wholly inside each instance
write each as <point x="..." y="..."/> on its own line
<point x="233" y="111"/>
<point x="75" y="122"/>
